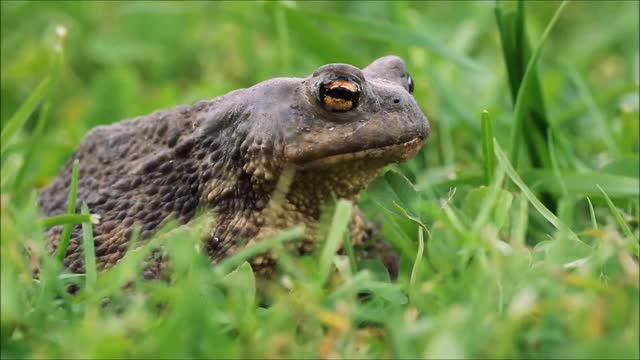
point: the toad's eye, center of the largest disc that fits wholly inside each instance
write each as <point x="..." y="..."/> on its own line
<point x="410" y="83"/>
<point x="339" y="95"/>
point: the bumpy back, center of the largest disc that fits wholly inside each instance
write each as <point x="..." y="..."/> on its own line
<point x="143" y="170"/>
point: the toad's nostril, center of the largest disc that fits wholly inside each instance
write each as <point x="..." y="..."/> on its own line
<point x="396" y="101"/>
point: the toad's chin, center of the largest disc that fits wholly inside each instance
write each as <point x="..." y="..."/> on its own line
<point x="385" y="154"/>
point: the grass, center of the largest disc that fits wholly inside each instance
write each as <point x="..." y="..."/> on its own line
<point x="517" y="225"/>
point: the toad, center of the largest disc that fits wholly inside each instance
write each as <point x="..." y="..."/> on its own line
<point x="329" y="133"/>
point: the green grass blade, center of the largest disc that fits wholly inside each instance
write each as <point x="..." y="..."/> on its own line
<point x="117" y="276"/>
<point x="577" y="109"/>
<point x="453" y="219"/>
<point x="564" y="143"/>
<point x="71" y="208"/>
<point x="487" y="147"/>
<point x="577" y="183"/>
<point x="584" y="183"/>
<point x="89" y="251"/>
<point x="287" y="264"/>
<point x="18" y="182"/>
<point x="348" y="249"/>
<point x="64" y="220"/>
<point x="488" y="204"/>
<point x="387" y="32"/>
<point x="43" y="118"/>
<point x="566" y="204"/>
<point x="592" y="214"/>
<point x="528" y="77"/>
<point x="623" y="224"/>
<point x="585" y="94"/>
<point x="519" y="228"/>
<point x="235" y="260"/>
<point x="628" y="166"/>
<point x="510" y="56"/>
<point x="20" y="117"/>
<point x="339" y="225"/>
<point x="554" y="163"/>
<point x="516" y="53"/>
<point x="504" y="163"/>
<point x="416" y="264"/>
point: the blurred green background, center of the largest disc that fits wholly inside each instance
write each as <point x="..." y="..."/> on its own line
<point x="495" y="279"/>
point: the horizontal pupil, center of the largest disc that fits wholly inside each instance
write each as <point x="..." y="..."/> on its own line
<point x="342" y="93"/>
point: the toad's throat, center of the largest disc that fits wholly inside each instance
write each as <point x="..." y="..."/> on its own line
<point x="390" y="153"/>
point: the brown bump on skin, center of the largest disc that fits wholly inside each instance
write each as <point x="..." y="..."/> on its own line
<point x="217" y="167"/>
<point x="102" y="249"/>
<point x="173" y="138"/>
<point x="121" y="215"/>
<point x="108" y="226"/>
<point x="122" y="248"/>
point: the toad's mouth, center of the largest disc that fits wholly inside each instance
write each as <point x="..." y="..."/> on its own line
<point x="388" y="154"/>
